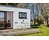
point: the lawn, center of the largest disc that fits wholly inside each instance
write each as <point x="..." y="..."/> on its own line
<point x="44" y="29"/>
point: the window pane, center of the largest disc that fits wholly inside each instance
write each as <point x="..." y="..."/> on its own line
<point x="22" y="15"/>
<point x="1" y="16"/>
<point x="1" y="20"/>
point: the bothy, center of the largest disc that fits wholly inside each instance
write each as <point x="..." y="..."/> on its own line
<point x="12" y="17"/>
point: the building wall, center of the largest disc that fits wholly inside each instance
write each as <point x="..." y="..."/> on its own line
<point x="16" y="21"/>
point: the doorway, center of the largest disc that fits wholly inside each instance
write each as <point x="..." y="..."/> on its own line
<point x="6" y="20"/>
<point x="9" y="19"/>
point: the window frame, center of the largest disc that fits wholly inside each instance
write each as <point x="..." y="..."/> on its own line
<point x="22" y="13"/>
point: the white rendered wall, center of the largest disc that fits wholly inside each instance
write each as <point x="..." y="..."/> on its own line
<point x="17" y="22"/>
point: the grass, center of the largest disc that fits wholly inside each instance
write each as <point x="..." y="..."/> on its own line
<point x="44" y="29"/>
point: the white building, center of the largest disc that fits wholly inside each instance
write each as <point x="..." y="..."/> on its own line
<point x="17" y="17"/>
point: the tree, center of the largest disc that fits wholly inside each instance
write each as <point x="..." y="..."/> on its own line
<point x="44" y="13"/>
<point x="9" y="4"/>
<point x="22" y="5"/>
<point x="34" y="11"/>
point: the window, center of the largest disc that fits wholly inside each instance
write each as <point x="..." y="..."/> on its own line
<point x="1" y="16"/>
<point x="22" y="15"/>
<point x="1" y="19"/>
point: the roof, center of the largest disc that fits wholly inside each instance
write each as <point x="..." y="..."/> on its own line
<point x="12" y="7"/>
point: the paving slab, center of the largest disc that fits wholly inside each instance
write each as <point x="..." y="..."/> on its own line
<point x="14" y="32"/>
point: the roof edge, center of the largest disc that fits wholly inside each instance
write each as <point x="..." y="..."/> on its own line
<point x="13" y="6"/>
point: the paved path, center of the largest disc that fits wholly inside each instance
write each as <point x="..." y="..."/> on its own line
<point x="14" y="32"/>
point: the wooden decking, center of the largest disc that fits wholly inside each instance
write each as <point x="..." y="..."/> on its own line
<point x="14" y="32"/>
